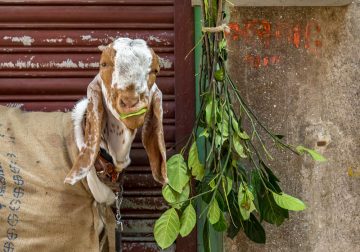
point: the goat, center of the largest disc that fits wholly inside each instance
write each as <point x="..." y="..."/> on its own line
<point x="125" y="85"/>
<point x="121" y="98"/>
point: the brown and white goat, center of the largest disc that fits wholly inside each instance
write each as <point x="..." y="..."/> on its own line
<point x="38" y="212"/>
<point x="124" y="85"/>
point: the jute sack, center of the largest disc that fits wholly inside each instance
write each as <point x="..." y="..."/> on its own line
<point x="38" y="212"/>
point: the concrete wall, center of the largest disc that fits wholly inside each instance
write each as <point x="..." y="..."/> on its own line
<point x="298" y="67"/>
<point x="283" y="2"/>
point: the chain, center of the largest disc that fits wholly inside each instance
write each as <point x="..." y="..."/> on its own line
<point x="119" y="199"/>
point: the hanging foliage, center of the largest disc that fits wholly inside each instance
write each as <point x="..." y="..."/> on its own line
<point x="233" y="181"/>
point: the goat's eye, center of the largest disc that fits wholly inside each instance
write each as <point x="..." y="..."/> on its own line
<point x="103" y="64"/>
<point x="155" y="71"/>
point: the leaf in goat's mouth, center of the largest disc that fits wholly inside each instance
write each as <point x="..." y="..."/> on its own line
<point x="139" y="112"/>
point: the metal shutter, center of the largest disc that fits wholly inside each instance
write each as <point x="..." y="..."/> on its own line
<point x="48" y="55"/>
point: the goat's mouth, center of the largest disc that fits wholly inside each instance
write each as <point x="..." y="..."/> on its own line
<point x="138" y="112"/>
<point x="133" y="119"/>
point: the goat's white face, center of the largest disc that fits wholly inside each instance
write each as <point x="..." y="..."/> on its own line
<point x="128" y="70"/>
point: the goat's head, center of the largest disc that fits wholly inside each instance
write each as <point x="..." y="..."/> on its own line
<point x="126" y="86"/>
<point x="128" y="71"/>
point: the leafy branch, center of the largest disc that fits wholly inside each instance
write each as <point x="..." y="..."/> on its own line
<point x="233" y="181"/>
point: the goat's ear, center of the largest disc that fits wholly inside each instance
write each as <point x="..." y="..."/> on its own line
<point x="155" y="61"/>
<point x="153" y="136"/>
<point x="102" y="47"/>
<point x="92" y="135"/>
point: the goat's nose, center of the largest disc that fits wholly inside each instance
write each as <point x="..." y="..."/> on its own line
<point x="129" y="102"/>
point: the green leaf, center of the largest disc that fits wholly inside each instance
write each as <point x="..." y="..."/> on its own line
<point x="221" y="201"/>
<point x="167" y="228"/>
<point x="219" y="74"/>
<point x="204" y="133"/>
<point x="177" y="172"/>
<point x="259" y="188"/>
<point x="272" y="185"/>
<point x="209" y="113"/>
<point x="212" y="180"/>
<point x="223" y="127"/>
<point x="238" y="147"/>
<point x="197" y="169"/>
<point x="234" y="123"/>
<point x="174" y="198"/>
<point x="219" y="141"/>
<point x="169" y="194"/>
<point x="214" y="212"/>
<point x="268" y="209"/>
<point x="221" y="225"/>
<point x="227" y="184"/>
<point x="288" y="202"/>
<point x="212" y="184"/>
<point x="245" y="201"/>
<point x="269" y="172"/>
<point x="271" y="212"/>
<point x="187" y="220"/>
<point x="182" y="197"/>
<point x="246" y="212"/>
<point x="315" y="155"/>
<point x="270" y="180"/>
<point x="222" y="44"/>
<point x="253" y="230"/>
<point x="139" y="112"/>
<point x="204" y="187"/>
<point x="243" y="135"/>
<point x="236" y="223"/>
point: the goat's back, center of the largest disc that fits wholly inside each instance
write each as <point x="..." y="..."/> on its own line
<point x="38" y="212"/>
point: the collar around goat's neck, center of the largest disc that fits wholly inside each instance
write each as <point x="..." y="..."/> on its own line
<point x="106" y="171"/>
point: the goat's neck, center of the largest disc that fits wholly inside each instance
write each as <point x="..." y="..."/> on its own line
<point x="117" y="140"/>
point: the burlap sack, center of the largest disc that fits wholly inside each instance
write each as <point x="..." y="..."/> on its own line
<point x="38" y="212"/>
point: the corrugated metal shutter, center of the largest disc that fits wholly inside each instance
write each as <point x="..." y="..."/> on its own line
<point x="48" y="55"/>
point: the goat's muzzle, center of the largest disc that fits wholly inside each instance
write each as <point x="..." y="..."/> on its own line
<point x="132" y="108"/>
<point x="134" y="122"/>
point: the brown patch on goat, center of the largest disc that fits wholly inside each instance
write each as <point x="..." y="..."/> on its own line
<point x="107" y="58"/>
<point x="92" y="138"/>
<point x="107" y="64"/>
<point x="155" y="69"/>
<point x="153" y="139"/>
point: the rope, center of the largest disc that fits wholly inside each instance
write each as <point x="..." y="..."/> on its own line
<point x="219" y="28"/>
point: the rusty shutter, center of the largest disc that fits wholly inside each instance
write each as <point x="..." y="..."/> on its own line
<point x="48" y="55"/>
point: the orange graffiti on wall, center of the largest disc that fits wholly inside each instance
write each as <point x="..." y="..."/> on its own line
<point x="257" y="61"/>
<point x="261" y="32"/>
